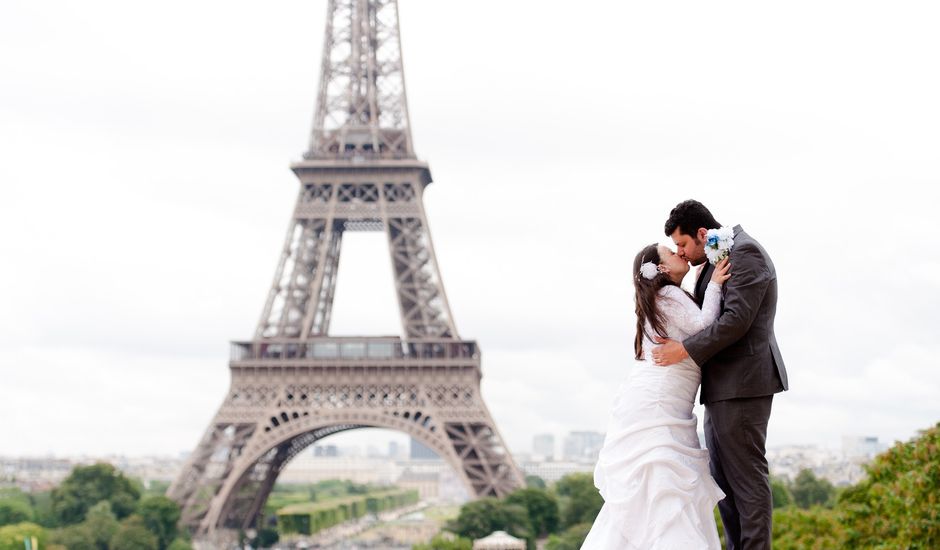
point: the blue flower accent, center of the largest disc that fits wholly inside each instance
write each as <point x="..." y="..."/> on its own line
<point x="713" y="240"/>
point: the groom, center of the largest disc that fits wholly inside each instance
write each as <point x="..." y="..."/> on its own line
<point x="741" y="371"/>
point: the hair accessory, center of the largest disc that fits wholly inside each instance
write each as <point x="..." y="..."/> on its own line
<point x="649" y="270"/>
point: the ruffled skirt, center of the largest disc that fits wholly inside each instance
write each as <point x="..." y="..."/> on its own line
<point x="652" y="472"/>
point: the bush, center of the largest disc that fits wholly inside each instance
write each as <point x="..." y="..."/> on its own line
<point x="814" y="529"/>
<point x="781" y="494"/>
<point x="75" y="537"/>
<point x="15" y="511"/>
<point x="898" y="504"/>
<point x="134" y="535"/>
<point x="11" y="536"/>
<point x="808" y="490"/>
<point x="444" y="542"/>
<point x="570" y="539"/>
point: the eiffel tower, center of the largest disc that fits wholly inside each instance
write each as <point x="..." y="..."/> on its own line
<point x="293" y="384"/>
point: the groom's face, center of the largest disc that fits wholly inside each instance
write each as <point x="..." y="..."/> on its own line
<point x="690" y="248"/>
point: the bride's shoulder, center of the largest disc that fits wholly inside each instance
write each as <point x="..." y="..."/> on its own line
<point x="672" y="292"/>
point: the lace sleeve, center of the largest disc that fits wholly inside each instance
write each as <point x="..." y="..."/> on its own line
<point x="682" y="312"/>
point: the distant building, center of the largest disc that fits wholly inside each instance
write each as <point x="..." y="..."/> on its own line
<point x="426" y="483"/>
<point x="583" y="446"/>
<point x="543" y="445"/>
<point x="787" y="462"/>
<point x="861" y="448"/>
<point x="325" y="450"/>
<point x="311" y="468"/>
<point x="421" y="452"/>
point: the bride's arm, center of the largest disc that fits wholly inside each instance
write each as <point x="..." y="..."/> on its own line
<point x="682" y="312"/>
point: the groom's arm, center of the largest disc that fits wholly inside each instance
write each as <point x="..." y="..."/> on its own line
<point x="744" y="293"/>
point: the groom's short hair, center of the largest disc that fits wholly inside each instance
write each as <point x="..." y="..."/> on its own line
<point x="688" y="216"/>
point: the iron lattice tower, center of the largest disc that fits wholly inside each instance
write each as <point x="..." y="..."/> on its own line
<point x="292" y="384"/>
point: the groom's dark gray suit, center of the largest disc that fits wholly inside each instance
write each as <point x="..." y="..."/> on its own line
<point x="741" y="371"/>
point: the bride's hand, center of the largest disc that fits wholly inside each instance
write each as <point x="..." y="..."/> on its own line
<point x="721" y="272"/>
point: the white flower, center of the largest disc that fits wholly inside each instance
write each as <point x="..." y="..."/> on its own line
<point x="718" y="243"/>
<point x="649" y="270"/>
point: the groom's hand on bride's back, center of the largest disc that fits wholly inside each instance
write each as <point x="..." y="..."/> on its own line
<point x="668" y="352"/>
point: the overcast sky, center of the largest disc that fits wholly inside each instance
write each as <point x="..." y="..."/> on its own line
<point x="145" y="191"/>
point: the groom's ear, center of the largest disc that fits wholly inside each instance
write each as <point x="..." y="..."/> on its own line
<point x="701" y="233"/>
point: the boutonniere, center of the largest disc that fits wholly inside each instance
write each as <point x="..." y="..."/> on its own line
<point x="718" y="243"/>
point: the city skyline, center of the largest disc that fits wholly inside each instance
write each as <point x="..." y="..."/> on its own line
<point x="124" y="284"/>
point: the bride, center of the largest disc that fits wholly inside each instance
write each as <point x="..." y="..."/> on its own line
<point x="652" y="472"/>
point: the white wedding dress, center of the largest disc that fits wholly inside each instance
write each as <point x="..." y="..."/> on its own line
<point x="652" y="472"/>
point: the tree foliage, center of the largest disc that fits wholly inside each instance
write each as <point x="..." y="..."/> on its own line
<point x="808" y="490"/>
<point x="102" y="523"/>
<point x="570" y="539"/>
<point x="134" y="535"/>
<point x="11" y="536"/>
<point x="444" y="542"/>
<point x="541" y="507"/>
<point x="535" y="481"/>
<point x="15" y="511"/>
<point x="815" y="529"/>
<point x="781" y="493"/>
<point x="898" y="504"/>
<point x="89" y="485"/>
<point x="160" y="515"/>
<point x="479" y="518"/>
<point x="179" y="544"/>
<point x="581" y="500"/>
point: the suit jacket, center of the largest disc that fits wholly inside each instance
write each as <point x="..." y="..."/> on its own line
<point x="738" y="353"/>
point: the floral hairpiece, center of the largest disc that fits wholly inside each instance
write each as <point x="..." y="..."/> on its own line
<point x="649" y="270"/>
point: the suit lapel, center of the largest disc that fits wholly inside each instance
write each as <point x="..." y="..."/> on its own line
<point x="701" y="284"/>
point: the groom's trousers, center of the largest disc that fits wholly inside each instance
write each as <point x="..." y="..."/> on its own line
<point x="735" y="434"/>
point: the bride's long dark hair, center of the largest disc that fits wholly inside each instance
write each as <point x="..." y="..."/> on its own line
<point x="645" y="297"/>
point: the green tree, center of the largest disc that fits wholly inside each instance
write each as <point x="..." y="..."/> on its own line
<point x="134" y="535"/>
<point x="581" y="500"/>
<point x="15" y="510"/>
<point x="41" y="501"/>
<point x="89" y="485"/>
<point x="808" y="490"/>
<point x="781" y="494"/>
<point x="155" y="488"/>
<point x="75" y="537"/>
<point x="898" y="504"/>
<point x="813" y="529"/>
<point x="11" y="536"/>
<point x="541" y="507"/>
<point x="570" y="539"/>
<point x="535" y="481"/>
<point x="160" y="515"/>
<point x="479" y="518"/>
<point x="267" y="536"/>
<point x="102" y="523"/>
<point x="179" y="544"/>
<point x="444" y="542"/>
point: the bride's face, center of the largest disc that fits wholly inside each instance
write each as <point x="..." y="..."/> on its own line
<point x="677" y="266"/>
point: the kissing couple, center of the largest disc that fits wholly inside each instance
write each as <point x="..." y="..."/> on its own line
<point x="659" y="486"/>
